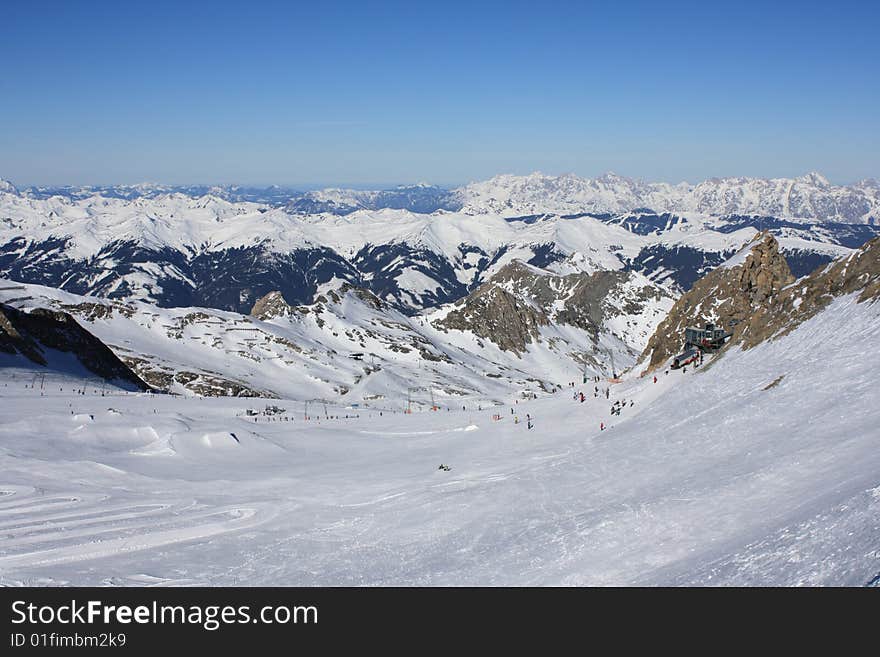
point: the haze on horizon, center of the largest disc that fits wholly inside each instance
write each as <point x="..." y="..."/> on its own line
<point x="349" y="94"/>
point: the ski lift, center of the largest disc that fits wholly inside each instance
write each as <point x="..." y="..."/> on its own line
<point x="323" y="403"/>
<point x="409" y="397"/>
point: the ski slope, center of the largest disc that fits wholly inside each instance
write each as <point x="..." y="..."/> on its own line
<point x="761" y="468"/>
<point x="308" y="355"/>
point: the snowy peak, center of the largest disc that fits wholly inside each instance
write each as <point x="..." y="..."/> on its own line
<point x="815" y="179"/>
<point x="810" y="197"/>
<point x="271" y="305"/>
<point x="807" y="197"/>
<point x="566" y="194"/>
<point x="7" y="187"/>
<point x="857" y="274"/>
<point x="511" y="308"/>
<point x="421" y="198"/>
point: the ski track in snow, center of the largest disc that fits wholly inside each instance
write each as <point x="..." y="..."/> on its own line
<point x="707" y="479"/>
<point x="93" y="533"/>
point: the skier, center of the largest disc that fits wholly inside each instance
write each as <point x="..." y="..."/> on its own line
<point x="655" y="378"/>
<point x="601" y="426"/>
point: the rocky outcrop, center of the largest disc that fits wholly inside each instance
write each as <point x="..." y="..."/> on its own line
<point x="574" y="299"/>
<point x="494" y="314"/>
<point x="509" y="309"/>
<point x="32" y="334"/>
<point x="858" y="273"/>
<point x="756" y="295"/>
<point x="271" y="305"/>
<point x="206" y="384"/>
<point x="728" y="296"/>
<point x="337" y="295"/>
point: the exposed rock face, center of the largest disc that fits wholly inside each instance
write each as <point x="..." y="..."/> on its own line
<point x="30" y="334"/>
<point x="13" y="342"/>
<point x="728" y="296"/>
<point x="764" y="271"/>
<point x="494" y="314"/>
<point x="207" y="384"/>
<point x="582" y="293"/>
<point x="857" y="273"/>
<point x="511" y="307"/>
<point x="271" y="305"/>
<point x="761" y="297"/>
<point x="337" y="295"/>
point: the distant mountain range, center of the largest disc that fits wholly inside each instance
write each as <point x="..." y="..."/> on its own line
<point x="525" y="331"/>
<point x="416" y="248"/>
<point x="810" y="196"/>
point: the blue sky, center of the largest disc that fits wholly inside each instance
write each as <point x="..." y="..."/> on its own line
<point x="446" y="92"/>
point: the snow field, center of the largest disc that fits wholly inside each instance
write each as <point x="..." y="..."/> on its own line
<point x="713" y="476"/>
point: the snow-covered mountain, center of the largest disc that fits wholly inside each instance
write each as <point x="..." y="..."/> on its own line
<point x="52" y="341"/>
<point x="350" y="346"/>
<point x="808" y="197"/>
<point x="417" y="198"/>
<point x="422" y="198"/>
<point x="761" y="469"/>
<point x="177" y="250"/>
<point x="513" y="308"/>
<point x="202" y="247"/>
<point x="273" y="194"/>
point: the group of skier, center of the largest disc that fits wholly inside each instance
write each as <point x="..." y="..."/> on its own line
<point x="529" y="424"/>
<point x="616" y="407"/>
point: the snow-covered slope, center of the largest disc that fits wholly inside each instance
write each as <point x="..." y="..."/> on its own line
<point x="52" y="342"/>
<point x="352" y="347"/>
<point x="763" y="469"/>
<point x="605" y="312"/>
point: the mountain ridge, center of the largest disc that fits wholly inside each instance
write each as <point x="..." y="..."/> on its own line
<point x="755" y="297"/>
<point x="809" y="196"/>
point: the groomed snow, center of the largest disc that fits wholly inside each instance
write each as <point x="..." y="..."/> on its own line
<point x="763" y="468"/>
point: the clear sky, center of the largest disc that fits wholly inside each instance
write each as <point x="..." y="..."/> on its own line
<point x="353" y="93"/>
